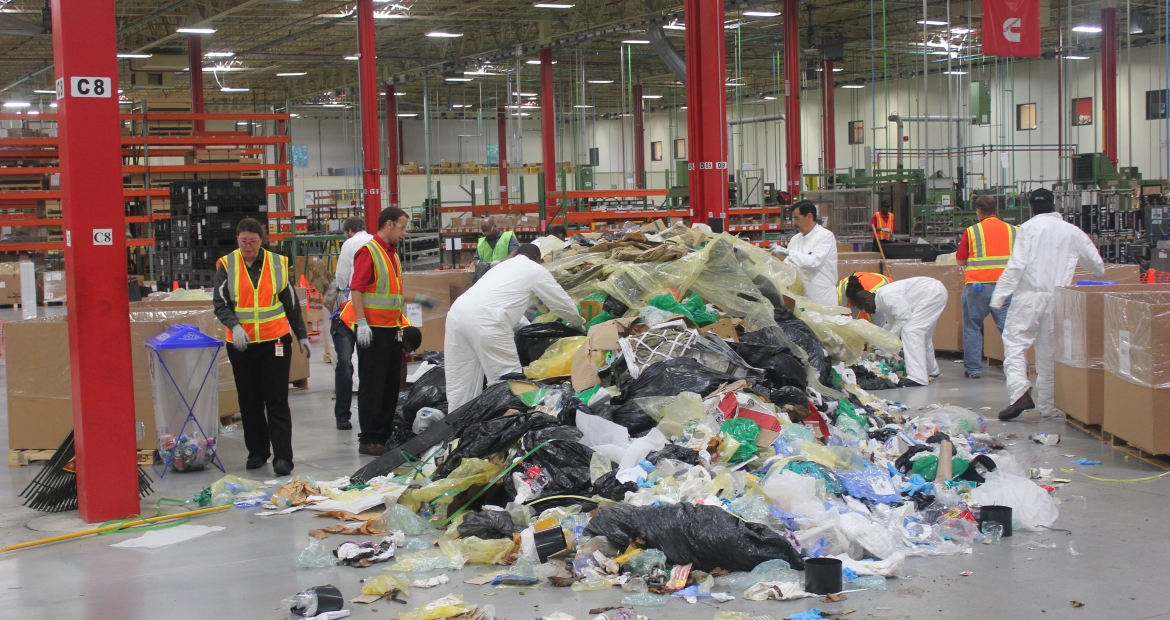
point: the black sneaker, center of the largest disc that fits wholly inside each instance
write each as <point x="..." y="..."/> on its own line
<point x="282" y="467"/>
<point x="344" y="425"/>
<point x="971" y="375"/>
<point x="256" y="462"/>
<point x="1021" y="405"/>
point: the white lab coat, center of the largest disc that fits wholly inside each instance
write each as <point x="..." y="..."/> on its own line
<point x="815" y="255"/>
<point x="479" y="342"/>
<point x="341" y="279"/>
<point x="1045" y="255"/>
<point x="911" y="308"/>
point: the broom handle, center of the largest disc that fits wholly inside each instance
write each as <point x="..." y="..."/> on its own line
<point x="98" y="530"/>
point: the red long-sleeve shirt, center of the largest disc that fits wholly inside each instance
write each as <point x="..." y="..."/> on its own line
<point x="363" y="266"/>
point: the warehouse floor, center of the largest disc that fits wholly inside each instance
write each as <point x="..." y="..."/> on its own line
<point x="1120" y="530"/>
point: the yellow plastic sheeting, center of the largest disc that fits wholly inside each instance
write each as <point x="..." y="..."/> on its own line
<point x="477" y="550"/>
<point x="469" y="473"/>
<point x="450" y="605"/>
<point x="833" y="457"/>
<point x="557" y="361"/>
<point x="384" y="584"/>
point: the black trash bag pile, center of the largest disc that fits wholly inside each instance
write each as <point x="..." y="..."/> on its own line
<point x="674" y="452"/>
<point x="429" y="391"/>
<point x="564" y="459"/>
<point x="496" y="400"/>
<point x="484" y="438"/>
<point x="488" y="524"/>
<point x="868" y="381"/>
<point x="533" y="340"/>
<point x="668" y="378"/>
<point x="780" y="367"/>
<point x="707" y="537"/>
<point x="802" y="336"/>
<point x="608" y="487"/>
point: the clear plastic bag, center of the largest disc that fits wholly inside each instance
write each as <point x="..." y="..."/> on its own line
<point x="557" y="360"/>
<point x="770" y="571"/>
<point x="682" y="412"/>
<point x="469" y="473"/>
<point x="384" y="584"/>
<point x="445" y="607"/>
<point x="234" y="484"/>
<point x="833" y="457"/>
<point x="425" y="561"/>
<point x="793" y="492"/>
<point x="478" y="550"/>
<point x="872" y="582"/>
<point x="645" y="562"/>
<point x="591" y="584"/>
<point x="317" y="555"/>
<point x="403" y="519"/>
<point x="1032" y="508"/>
<point x="645" y="599"/>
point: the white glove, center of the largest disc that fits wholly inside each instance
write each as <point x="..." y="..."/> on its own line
<point x="576" y="320"/>
<point x="305" y="346"/>
<point x="426" y="301"/>
<point x="779" y="250"/>
<point x="365" y="335"/>
<point x="239" y="338"/>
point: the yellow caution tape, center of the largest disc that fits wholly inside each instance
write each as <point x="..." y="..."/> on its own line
<point x="1099" y="479"/>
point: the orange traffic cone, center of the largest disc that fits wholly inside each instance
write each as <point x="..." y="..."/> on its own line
<point x="175" y="285"/>
<point x="302" y="282"/>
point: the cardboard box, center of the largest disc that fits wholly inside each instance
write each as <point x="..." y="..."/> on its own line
<point x="1139" y="414"/>
<point x="40" y="407"/>
<point x="724" y="328"/>
<point x="1121" y="274"/>
<point x="601" y="337"/>
<point x="54" y="286"/>
<point x="1080" y="393"/>
<point x="9" y="283"/>
<point x="948" y="334"/>
<point x="846" y="268"/>
<point x="858" y="256"/>
<point x="444" y="285"/>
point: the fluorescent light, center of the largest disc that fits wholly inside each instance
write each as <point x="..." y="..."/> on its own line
<point x="955" y="72"/>
<point x="480" y="72"/>
<point x="200" y="30"/>
<point x="444" y="35"/>
<point x="399" y="94"/>
<point x="682" y="107"/>
<point x="353" y="58"/>
<point x="219" y="54"/>
<point x="524" y="94"/>
<point x="837" y="69"/>
<point x="292" y="74"/>
<point x="769" y="98"/>
<point x="636" y="42"/>
<point x="960" y="31"/>
<point x="852" y="86"/>
<point x="407" y="114"/>
<point x="761" y="14"/>
<point x="333" y="105"/>
<point x="521" y="114"/>
<point x="931" y="22"/>
<point x="223" y="69"/>
<point x="546" y="5"/>
<point x="45" y="92"/>
<point x="675" y="26"/>
<point x="32" y="112"/>
<point x="536" y="62"/>
<point x="1075" y="57"/>
<point x="129" y="55"/>
<point x="16" y="104"/>
<point x="53" y="105"/>
<point x="1087" y="29"/>
<point x="228" y="89"/>
<point x="582" y="106"/>
<point x="651" y="96"/>
<point x="463" y="79"/>
<point x="294" y="115"/>
<point x="378" y="15"/>
<point x="601" y="81"/>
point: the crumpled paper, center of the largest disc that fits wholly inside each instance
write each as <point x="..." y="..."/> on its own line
<point x="367" y="528"/>
<point x="778" y="590"/>
<point x="295" y="492"/>
<point x="365" y="553"/>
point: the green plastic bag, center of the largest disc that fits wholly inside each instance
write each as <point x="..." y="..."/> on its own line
<point x="601" y="318"/>
<point x="745" y="432"/>
<point x="592" y="305"/>
<point x="692" y="307"/>
<point x="847" y="408"/>
<point x="927" y="467"/>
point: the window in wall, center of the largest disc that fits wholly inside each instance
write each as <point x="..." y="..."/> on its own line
<point x="680" y="148"/>
<point x="1025" y="116"/>
<point x="655" y="151"/>
<point x="856" y="132"/>
<point x="1155" y="104"/>
<point x="1082" y="111"/>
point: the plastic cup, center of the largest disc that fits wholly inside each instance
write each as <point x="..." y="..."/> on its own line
<point x="999" y="514"/>
<point x="822" y="575"/>
<point x="992" y="532"/>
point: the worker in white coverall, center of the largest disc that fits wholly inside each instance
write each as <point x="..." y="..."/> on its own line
<point x="479" y="341"/>
<point x="1047" y="251"/>
<point x="911" y="308"/>
<point x="814" y="253"/>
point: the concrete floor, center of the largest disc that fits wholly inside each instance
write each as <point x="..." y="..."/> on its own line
<point x="1121" y="532"/>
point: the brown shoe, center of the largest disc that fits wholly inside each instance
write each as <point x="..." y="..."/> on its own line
<point x="372" y="449"/>
<point x="1021" y="405"/>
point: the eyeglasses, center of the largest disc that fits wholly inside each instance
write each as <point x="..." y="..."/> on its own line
<point x="243" y="241"/>
<point x="399" y="226"/>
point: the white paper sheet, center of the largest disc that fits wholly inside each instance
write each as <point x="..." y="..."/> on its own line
<point x="170" y="536"/>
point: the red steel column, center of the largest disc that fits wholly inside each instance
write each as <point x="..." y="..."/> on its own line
<point x="502" y="139"/>
<point x="1109" y="80"/>
<point x="639" y="140"/>
<point x="392" y="144"/>
<point x="548" y="128"/>
<point x="792" y="96"/>
<point x="828" y="119"/>
<point x="706" y="58"/>
<point x="368" y="85"/>
<point x="195" y="60"/>
<point x="101" y="372"/>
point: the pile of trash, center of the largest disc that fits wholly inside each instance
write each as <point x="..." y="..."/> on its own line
<point x="707" y="435"/>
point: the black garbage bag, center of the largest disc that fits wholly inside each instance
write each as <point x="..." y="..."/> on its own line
<point x="433" y="357"/>
<point x="564" y="459"/>
<point x="903" y="463"/>
<point x="672" y="377"/>
<point x="674" y="452"/>
<point x="869" y="381"/>
<point x="706" y="537"/>
<point x="429" y="391"/>
<point x="802" y="336"/>
<point x="492" y="403"/>
<point x="488" y="524"/>
<point x="614" y="306"/>
<point x="484" y="438"/>
<point x="631" y="416"/>
<point x="608" y="487"/>
<point x="780" y="367"/>
<point x="532" y="340"/>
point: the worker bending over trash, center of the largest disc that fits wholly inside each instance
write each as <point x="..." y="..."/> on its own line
<point x="479" y="342"/>
<point x="911" y="308"/>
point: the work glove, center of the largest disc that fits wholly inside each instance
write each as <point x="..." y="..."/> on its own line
<point x="779" y="250"/>
<point x="426" y="301"/>
<point x="365" y="335"/>
<point x="305" y="346"/>
<point x="239" y="338"/>
<point x="575" y="320"/>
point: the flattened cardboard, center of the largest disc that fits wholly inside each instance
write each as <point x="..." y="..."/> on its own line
<point x="724" y="328"/>
<point x="601" y="337"/>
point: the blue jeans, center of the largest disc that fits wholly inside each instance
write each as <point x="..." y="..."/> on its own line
<point x="343" y="343"/>
<point x="976" y="307"/>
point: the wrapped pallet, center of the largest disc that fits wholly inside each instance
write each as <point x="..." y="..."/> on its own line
<point x="1137" y="365"/>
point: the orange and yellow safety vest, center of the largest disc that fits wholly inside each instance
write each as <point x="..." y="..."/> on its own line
<point x="869" y="281"/>
<point x="885" y="226"/>
<point x="383" y="307"/>
<point x="258" y="307"/>
<point x="989" y="246"/>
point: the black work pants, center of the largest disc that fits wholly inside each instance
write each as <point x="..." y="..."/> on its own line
<point x="379" y="378"/>
<point x="262" y="387"/>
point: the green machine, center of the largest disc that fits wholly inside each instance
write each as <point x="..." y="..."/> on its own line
<point x="680" y="191"/>
<point x="585" y="178"/>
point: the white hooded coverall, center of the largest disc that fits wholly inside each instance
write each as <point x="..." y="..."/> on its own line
<point x="1045" y="255"/>
<point x="815" y="255"/>
<point x="911" y="308"/>
<point x="479" y="339"/>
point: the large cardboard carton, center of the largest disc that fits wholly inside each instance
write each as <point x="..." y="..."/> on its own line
<point x="444" y="285"/>
<point x="845" y="268"/>
<point x="40" y="405"/>
<point x="1080" y="347"/>
<point x="9" y="283"/>
<point x="601" y="337"/>
<point x="1137" y="364"/>
<point x="948" y="333"/>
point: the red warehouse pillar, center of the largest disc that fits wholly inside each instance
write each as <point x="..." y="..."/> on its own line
<point x="792" y="96"/>
<point x="368" y="85"/>
<point x="706" y="58"/>
<point x="548" y="128"/>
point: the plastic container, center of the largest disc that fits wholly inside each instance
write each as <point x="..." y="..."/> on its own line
<point x="822" y="575"/>
<point x="999" y="514"/>
<point x="992" y="532"/>
<point x="549" y="542"/>
<point x="184" y="378"/>
<point x="314" y="601"/>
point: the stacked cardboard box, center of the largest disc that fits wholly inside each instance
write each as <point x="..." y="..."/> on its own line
<point x="445" y="286"/>
<point x="1137" y="369"/>
<point x="9" y="283"/>
<point x="948" y="334"/>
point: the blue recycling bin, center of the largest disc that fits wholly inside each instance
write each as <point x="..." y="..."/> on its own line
<point x="185" y="381"/>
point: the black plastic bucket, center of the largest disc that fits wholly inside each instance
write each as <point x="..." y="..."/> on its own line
<point x="550" y="542"/>
<point x="997" y="514"/>
<point x="328" y="598"/>
<point x="822" y="575"/>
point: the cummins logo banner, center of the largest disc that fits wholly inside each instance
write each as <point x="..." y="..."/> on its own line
<point x="1011" y="28"/>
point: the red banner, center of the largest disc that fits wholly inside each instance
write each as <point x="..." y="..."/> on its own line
<point x="1011" y="28"/>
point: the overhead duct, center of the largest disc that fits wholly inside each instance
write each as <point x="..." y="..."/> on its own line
<point x="899" y="120"/>
<point x="666" y="51"/>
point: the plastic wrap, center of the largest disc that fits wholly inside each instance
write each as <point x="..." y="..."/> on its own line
<point x="533" y="340"/>
<point x="1032" y="507"/>
<point x="450" y="605"/>
<point x="1071" y="328"/>
<point x="1137" y="337"/>
<point x="477" y="550"/>
<point x="557" y="360"/>
<point x="469" y="473"/>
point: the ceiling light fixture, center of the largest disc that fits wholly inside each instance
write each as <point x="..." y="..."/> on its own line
<point x="378" y="15"/>
<point x="53" y="105"/>
<point x="536" y="62"/>
<point x="601" y="81"/>
<point x="582" y="106"/>
<point x="444" y="35"/>
<point x="407" y="114"/>
<point x="333" y="105"/>
<point x="852" y="86"/>
<point x="353" y="58"/>
<point x="769" y="98"/>
<point x="960" y="31"/>
<point x="228" y="89"/>
<point x="16" y="104"/>
<point x="761" y="14"/>
<point x="130" y="55"/>
<point x="45" y="92"/>
<point x="548" y="5"/>
<point x="219" y="54"/>
<point x="196" y="30"/>
<point x="524" y="94"/>
<point x="675" y="26"/>
<point x="651" y="96"/>
<point x="1087" y="29"/>
<point x="955" y="72"/>
<point x="636" y="42"/>
<point x="458" y="79"/>
<point x="1075" y="57"/>
<point x="931" y="22"/>
<point x="292" y="74"/>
